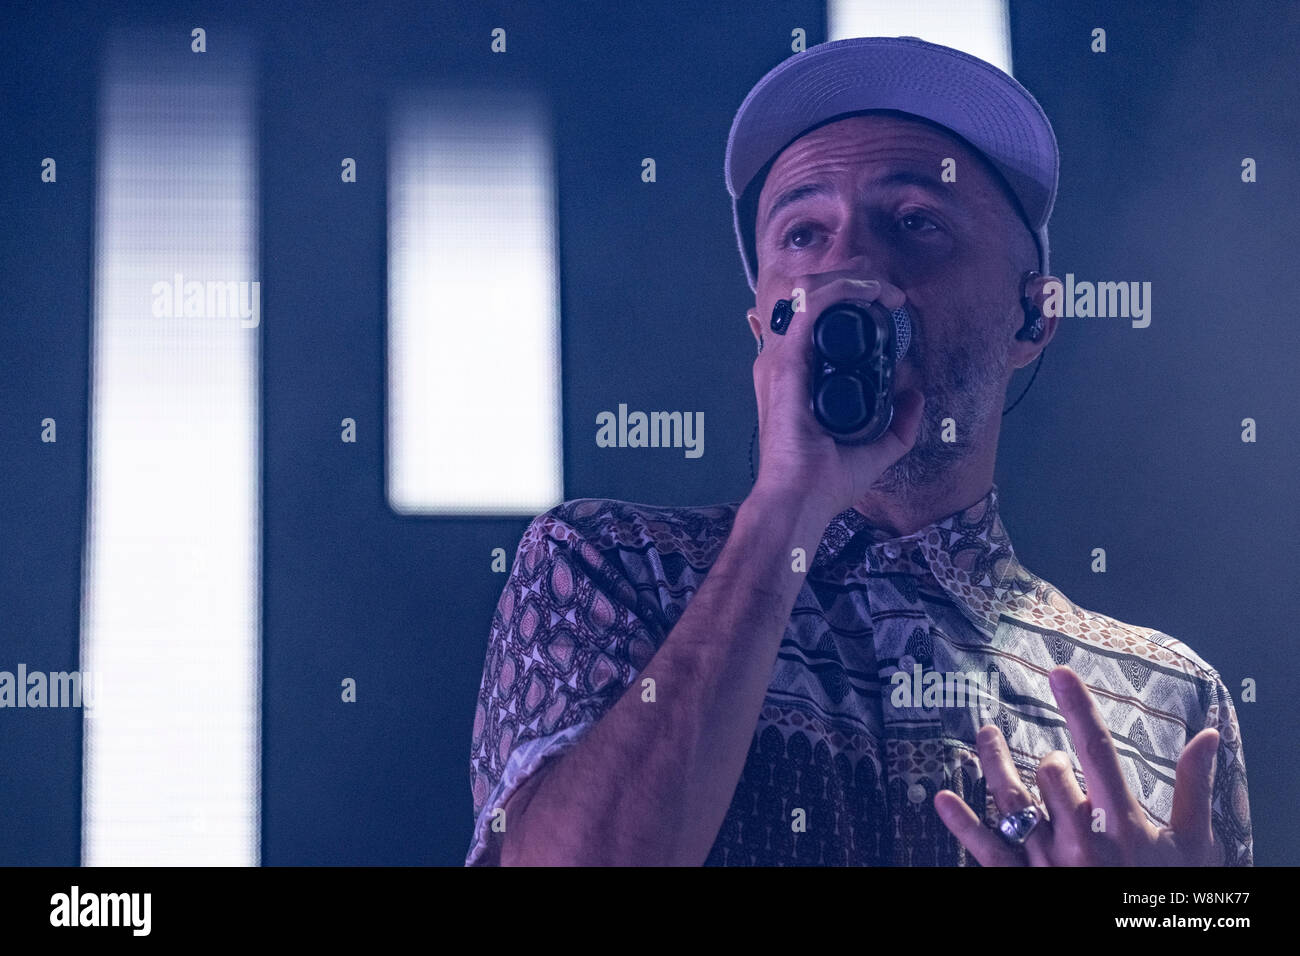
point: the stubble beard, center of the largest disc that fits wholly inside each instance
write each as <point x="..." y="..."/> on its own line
<point x="964" y="383"/>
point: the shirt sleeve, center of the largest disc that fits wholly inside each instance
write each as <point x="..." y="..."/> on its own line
<point x="1230" y="807"/>
<point x="569" y="634"/>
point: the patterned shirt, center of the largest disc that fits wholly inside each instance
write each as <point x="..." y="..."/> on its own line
<point x="843" y="735"/>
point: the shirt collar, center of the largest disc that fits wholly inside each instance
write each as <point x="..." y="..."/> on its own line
<point x="968" y="552"/>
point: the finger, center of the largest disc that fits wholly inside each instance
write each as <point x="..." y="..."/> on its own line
<point x="891" y="297"/>
<point x="1194" y="790"/>
<point x="1094" y="746"/>
<point x="845" y="289"/>
<point x="984" y="844"/>
<point x="1065" y="802"/>
<point x="799" y="329"/>
<point x="1009" y="792"/>
<point x="787" y="357"/>
<point x="852" y="284"/>
<point x="824" y="288"/>
<point x="856" y="270"/>
<point x="790" y="353"/>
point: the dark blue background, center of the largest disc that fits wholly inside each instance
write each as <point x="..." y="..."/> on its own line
<point x="1129" y="440"/>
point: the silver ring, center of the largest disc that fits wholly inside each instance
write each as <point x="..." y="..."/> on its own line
<point x="1016" y="827"/>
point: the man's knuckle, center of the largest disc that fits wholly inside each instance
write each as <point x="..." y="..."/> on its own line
<point x="1127" y="822"/>
<point x="1058" y="759"/>
<point x="1016" y="798"/>
<point x="1100" y="745"/>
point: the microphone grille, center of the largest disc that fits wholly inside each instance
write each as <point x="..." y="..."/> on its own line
<point x="902" y="331"/>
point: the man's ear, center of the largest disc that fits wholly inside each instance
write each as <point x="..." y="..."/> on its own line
<point x="755" y="326"/>
<point x="1038" y="291"/>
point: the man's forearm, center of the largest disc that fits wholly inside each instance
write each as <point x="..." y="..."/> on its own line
<point x="650" y="783"/>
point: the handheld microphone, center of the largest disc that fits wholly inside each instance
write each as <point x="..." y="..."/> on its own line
<point x="856" y="350"/>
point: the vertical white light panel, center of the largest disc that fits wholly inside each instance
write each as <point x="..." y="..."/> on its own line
<point x="978" y="27"/>
<point x="171" y="603"/>
<point x="473" y="306"/>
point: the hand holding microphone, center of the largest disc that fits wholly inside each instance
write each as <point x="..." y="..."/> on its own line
<point x="829" y="421"/>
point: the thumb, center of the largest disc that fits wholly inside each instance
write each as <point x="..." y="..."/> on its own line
<point x="908" y="406"/>
<point x="898" y="440"/>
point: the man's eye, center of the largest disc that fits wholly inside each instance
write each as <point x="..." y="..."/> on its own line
<point x="915" y="222"/>
<point x="800" y="237"/>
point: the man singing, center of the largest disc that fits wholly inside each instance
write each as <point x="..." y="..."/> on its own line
<point x="773" y="682"/>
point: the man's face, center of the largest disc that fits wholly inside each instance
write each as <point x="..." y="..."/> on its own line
<point x="956" y="249"/>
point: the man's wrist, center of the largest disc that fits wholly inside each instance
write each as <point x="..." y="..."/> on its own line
<point x="798" y="519"/>
<point x="803" y="508"/>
